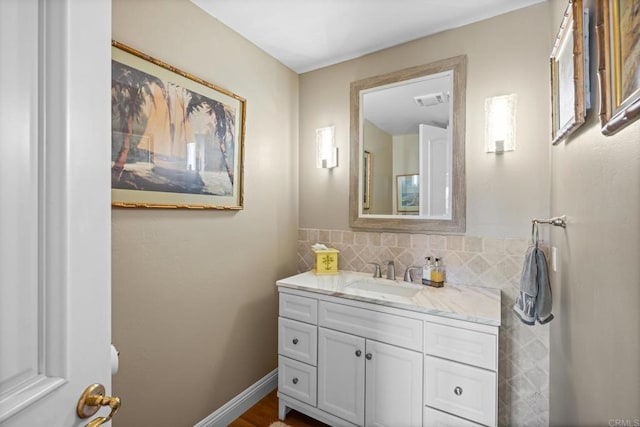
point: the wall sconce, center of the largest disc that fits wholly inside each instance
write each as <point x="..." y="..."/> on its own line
<point x="500" y="123"/>
<point x="326" y="150"/>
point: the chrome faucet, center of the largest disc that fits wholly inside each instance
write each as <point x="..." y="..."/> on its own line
<point x="377" y="273"/>
<point x="391" y="270"/>
<point x="408" y="277"/>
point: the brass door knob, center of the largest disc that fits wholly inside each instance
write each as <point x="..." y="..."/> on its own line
<point x="92" y="400"/>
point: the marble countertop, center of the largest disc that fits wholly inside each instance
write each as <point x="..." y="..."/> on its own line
<point x="471" y="303"/>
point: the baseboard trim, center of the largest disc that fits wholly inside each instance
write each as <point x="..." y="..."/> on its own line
<point x="242" y="402"/>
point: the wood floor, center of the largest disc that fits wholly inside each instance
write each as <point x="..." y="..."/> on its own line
<point x="265" y="412"/>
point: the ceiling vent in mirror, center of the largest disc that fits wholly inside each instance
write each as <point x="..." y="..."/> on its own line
<point x="431" y="99"/>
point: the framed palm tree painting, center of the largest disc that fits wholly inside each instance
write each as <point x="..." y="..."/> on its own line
<point x="177" y="141"/>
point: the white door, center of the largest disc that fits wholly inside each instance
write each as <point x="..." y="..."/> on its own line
<point x="436" y="150"/>
<point x="393" y="386"/>
<point x="54" y="208"/>
<point x="341" y="375"/>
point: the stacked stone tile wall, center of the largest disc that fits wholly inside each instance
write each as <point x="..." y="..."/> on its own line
<point x="523" y="380"/>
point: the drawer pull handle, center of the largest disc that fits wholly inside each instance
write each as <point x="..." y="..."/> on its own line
<point x="369" y="356"/>
<point x="295" y="341"/>
<point x="295" y="381"/>
<point x="358" y="353"/>
<point x="458" y="391"/>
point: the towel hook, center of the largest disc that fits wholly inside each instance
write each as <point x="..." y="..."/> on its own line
<point x="534" y="233"/>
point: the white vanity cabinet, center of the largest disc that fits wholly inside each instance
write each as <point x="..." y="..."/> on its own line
<point x="376" y="365"/>
<point x="368" y="382"/>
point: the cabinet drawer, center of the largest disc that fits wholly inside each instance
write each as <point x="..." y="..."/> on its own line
<point x="434" y="418"/>
<point x="299" y="308"/>
<point x="298" y="340"/>
<point x="297" y="380"/>
<point x="460" y="390"/>
<point x="383" y="327"/>
<point x="461" y="345"/>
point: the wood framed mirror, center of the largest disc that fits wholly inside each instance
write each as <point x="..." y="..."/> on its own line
<point x="409" y="123"/>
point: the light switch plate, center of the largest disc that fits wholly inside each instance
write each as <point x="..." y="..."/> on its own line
<point x="554" y="259"/>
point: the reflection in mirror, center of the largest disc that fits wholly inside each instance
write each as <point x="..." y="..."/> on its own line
<point x="407" y="132"/>
<point x="415" y="127"/>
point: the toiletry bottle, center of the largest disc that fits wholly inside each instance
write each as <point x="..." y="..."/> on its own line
<point x="437" y="275"/>
<point x="426" y="271"/>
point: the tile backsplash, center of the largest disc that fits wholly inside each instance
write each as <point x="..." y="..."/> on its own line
<point x="523" y="381"/>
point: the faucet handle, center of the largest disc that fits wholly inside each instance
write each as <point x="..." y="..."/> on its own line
<point x="391" y="270"/>
<point x="408" y="277"/>
<point x="377" y="273"/>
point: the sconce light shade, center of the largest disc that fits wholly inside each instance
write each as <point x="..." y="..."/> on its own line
<point x="500" y="123"/>
<point x="326" y="150"/>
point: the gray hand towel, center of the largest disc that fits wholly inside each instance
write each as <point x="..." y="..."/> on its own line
<point x="543" y="299"/>
<point x="534" y="300"/>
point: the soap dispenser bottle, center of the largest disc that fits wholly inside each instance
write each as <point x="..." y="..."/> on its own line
<point x="437" y="274"/>
<point x="426" y="271"/>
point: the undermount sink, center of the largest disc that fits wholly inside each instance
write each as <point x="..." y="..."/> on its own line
<point x="383" y="289"/>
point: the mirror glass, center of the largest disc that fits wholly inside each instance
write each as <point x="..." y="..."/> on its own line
<point x="407" y="142"/>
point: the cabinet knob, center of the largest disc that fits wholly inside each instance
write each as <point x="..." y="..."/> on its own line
<point x="369" y="356"/>
<point x="458" y="391"/>
<point x="358" y="353"/>
<point x="295" y="380"/>
<point x="295" y="341"/>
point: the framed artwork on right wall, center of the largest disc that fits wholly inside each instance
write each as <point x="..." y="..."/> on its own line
<point x="618" y="32"/>
<point x="569" y="62"/>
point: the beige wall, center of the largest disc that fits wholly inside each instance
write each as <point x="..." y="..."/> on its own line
<point x="380" y="145"/>
<point x="506" y="54"/>
<point x="595" y="337"/>
<point x="194" y="300"/>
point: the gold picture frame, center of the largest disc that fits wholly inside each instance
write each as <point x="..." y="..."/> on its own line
<point x="617" y="30"/>
<point x="366" y="180"/>
<point x="177" y="141"/>
<point x="569" y="95"/>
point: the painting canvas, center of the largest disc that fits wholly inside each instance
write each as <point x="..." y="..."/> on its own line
<point x="566" y="94"/>
<point x="618" y="31"/>
<point x="177" y="141"/>
<point x="629" y="53"/>
<point x="408" y="193"/>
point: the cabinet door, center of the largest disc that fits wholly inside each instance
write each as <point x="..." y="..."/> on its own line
<point x="341" y="375"/>
<point x="393" y="386"/>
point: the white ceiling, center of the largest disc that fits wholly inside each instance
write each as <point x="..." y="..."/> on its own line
<point x="394" y="110"/>
<point x="309" y="34"/>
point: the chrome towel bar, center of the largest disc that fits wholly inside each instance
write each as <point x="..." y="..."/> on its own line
<point x="559" y="221"/>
